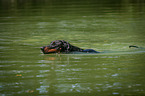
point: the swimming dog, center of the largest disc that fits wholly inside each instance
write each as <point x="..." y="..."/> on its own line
<point x="61" y="46"/>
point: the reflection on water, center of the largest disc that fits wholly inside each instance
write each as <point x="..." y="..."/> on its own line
<point x="26" y="25"/>
<point x="102" y="75"/>
<point x="90" y="74"/>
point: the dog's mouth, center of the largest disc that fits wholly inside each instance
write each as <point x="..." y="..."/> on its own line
<point x="47" y="50"/>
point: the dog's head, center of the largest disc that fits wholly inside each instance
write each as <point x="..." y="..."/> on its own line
<point x="55" y="47"/>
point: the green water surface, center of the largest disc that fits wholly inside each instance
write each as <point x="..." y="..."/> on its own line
<point x="108" y="26"/>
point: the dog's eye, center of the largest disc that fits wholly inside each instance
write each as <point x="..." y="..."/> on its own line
<point x="53" y="43"/>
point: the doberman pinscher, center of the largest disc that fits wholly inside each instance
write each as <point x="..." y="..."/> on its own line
<point x="61" y="46"/>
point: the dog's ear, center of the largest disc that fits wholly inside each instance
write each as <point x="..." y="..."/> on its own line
<point x="64" y="43"/>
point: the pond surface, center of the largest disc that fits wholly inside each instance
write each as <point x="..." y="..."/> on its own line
<point x="108" y="26"/>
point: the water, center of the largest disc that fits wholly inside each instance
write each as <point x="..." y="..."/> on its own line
<point x="107" y="26"/>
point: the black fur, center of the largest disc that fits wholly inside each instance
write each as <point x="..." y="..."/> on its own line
<point x="65" y="46"/>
